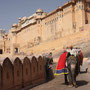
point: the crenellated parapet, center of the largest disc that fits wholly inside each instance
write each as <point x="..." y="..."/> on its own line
<point x="19" y="72"/>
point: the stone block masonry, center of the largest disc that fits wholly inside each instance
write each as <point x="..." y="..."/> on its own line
<point x="21" y="72"/>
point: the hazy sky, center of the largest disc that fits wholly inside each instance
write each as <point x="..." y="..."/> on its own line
<point x="11" y="10"/>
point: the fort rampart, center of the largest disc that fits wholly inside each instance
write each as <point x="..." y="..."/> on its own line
<point x="18" y="73"/>
<point x="76" y="38"/>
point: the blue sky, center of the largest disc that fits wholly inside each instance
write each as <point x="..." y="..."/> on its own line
<point x="11" y="10"/>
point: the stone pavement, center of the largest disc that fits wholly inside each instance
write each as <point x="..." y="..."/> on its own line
<point x="83" y="81"/>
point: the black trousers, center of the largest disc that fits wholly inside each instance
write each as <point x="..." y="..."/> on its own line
<point x="65" y="78"/>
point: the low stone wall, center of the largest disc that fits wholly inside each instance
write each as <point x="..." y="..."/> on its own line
<point x="18" y="73"/>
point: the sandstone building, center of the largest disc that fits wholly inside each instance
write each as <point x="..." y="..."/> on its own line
<point x="42" y="27"/>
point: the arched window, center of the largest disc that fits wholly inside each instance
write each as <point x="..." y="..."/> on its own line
<point x="1" y="51"/>
<point x="16" y="50"/>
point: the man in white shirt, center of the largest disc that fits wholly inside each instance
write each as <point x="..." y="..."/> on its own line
<point x="72" y="51"/>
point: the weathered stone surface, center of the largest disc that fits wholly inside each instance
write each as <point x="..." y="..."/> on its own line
<point x="27" y="75"/>
<point x="21" y="72"/>
<point x="41" y="69"/>
<point x="18" y="74"/>
<point x="7" y="71"/>
<point x="0" y="77"/>
<point x="34" y="69"/>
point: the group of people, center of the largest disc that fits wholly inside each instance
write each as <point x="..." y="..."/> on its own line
<point x="72" y="50"/>
<point x="69" y="64"/>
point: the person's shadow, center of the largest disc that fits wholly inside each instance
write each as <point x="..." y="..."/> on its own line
<point x="82" y="83"/>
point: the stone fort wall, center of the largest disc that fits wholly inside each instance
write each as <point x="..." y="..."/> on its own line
<point x="65" y="21"/>
<point x="43" y="31"/>
<point x="21" y="72"/>
<point x="48" y="46"/>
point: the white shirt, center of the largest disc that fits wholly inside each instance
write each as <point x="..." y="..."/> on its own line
<point x="72" y="52"/>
